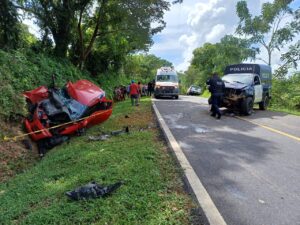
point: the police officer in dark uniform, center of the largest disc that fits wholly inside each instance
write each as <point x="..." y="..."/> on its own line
<point x="216" y="88"/>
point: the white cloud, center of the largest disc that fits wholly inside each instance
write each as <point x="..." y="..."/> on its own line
<point x="193" y="23"/>
<point x="216" y="33"/>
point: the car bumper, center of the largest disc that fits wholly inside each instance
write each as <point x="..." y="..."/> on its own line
<point x="166" y="92"/>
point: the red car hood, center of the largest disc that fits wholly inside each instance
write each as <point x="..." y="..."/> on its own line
<point x="37" y="95"/>
<point x="84" y="92"/>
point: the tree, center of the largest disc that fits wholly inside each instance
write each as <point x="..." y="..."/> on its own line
<point x="130" y="19"/>
<point x="276" y="26"/>
<point x="9" y="25"/>
<point x="289" y="60"/>
<point x="84" y="22"/>
<point x="215" y="57"/>
<point x="143" y="66"/>
<point x="57" y="16"/>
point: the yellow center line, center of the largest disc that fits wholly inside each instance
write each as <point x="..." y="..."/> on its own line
<point x="270" y="129"/>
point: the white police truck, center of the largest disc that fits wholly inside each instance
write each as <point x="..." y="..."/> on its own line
<point x="246" y="84"/>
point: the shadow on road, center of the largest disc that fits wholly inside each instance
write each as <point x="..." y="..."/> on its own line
<point x="230" y="157"/>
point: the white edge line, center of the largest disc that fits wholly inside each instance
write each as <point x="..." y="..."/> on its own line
<point x="212" y="214"/>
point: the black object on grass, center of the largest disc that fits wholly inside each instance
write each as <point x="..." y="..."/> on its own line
<point x="92" y="190"/>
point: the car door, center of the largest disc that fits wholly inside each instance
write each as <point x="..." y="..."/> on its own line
<point x="258" y="89"/>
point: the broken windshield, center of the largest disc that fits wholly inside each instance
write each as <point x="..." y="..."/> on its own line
<point x="241" y="78"/>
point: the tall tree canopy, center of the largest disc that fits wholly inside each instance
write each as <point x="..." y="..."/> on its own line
<point x="215" y="57"/>
<point x="276" y="26"/>
<point x="127" y="20"/>
<point x="58" y="17"/>
<point x="9" y="25"/>
<point x="144" y="66"/>
<point x="89" y="20"/>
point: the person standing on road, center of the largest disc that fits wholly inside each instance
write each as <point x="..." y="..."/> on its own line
<point x="150" y="85"/>
<point x="216" y="88"/>
<point x="134" y="93"/>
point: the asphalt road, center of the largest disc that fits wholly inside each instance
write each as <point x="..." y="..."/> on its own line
<point x="251" y="169"/>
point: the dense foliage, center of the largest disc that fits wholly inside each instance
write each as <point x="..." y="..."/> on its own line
<point x="215" y="57"/>
<point x="86" y="29"/>
<point x="143" y="67"/>
<point x="9" y="25"/>
<point x="286" y="93"/>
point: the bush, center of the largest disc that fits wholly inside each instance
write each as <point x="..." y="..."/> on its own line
<point x="286" y="93"/>
<point x="21" y="71"/>
<point x="10" y="102"/>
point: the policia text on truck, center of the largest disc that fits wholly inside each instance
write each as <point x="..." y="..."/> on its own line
<point x="246" y="84"/>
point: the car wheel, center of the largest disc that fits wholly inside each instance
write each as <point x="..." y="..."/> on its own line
<point x="176" y="96"/>
<point x="265" y="103"/>
<point x="247" y="106"/>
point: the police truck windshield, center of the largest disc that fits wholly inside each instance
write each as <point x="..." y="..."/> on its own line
<point x="167" y="78"/>
<point x="242" y="78"/>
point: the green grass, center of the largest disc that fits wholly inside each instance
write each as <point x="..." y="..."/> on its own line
<point x="285" y="110"/>
<point x="152" y="193"/>
<point x="205" y="94"/>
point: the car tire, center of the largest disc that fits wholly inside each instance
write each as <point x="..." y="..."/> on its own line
<point x="247" y="106"/>
<point x="265" y="103"/>
<point x="156" y="96"/>
<point x="176" y="96"/>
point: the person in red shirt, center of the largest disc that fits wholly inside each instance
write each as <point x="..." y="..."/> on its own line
<point x="134" y="93"/>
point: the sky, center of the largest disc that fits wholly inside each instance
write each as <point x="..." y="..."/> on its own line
<point x="195" y="22"/>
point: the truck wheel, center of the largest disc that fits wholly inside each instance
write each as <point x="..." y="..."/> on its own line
<point x="247" y="106"/>
<point x="265" y="103"/>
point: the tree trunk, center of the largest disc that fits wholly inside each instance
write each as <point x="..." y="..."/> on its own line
<point x="270" y="57"/>
<point x="86" y="51"/>
<point x="61" y="45"/>
<point x="62" y="32"/>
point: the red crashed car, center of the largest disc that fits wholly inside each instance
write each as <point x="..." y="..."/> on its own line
<point x="57" y="113"/>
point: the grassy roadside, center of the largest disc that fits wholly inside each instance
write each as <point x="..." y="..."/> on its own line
<point x="152" y="194"/>
<point x="284" y="110"/>
<point x="205" y="94"/>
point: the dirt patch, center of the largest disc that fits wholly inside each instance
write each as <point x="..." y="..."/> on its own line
<point x="15" y="156"/>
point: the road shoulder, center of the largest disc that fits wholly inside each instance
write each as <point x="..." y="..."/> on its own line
<point x="211" y="212"/>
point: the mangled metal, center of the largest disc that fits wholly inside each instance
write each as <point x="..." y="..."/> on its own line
<point x="55" y="114"/>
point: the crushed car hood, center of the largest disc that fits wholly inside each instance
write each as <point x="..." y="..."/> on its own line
<point x="58" y="112"/>
<point x="235" y="85"/>
<point x="84" y="92"/>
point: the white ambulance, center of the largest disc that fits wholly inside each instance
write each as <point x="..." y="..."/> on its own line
<point x="166" y="83"/>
